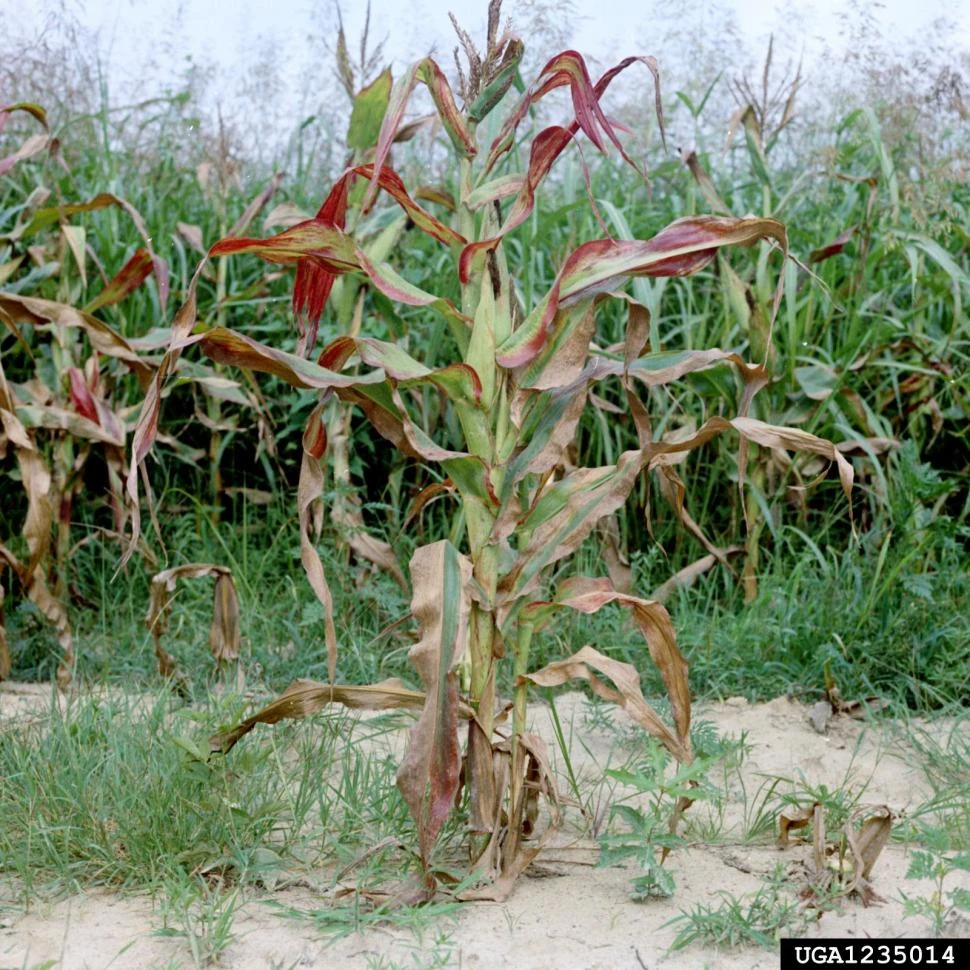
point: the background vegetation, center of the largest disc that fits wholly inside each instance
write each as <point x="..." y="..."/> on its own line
<point x="870" y="172"/>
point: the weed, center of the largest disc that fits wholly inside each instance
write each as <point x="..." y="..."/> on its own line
<point x="759" y="919"/>
<point x="935" y="860"/>
<point x="646" y="836"/>
<point x="201" y="915"/>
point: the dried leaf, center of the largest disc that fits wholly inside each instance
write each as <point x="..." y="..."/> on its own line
<point x="224" y="632"/>
<point x="791" y="820"/>
<point x="867" y="842"/>
<point x="626" y="694"/>
<point x="304" y="698"/>
<point x="309" y="490"/>
<point x="429" y="775"/>
<point x="685" y="578"/>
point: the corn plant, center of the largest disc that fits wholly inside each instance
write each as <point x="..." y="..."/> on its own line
<point x="66" y="377"/>
<point x="517" y="385"/>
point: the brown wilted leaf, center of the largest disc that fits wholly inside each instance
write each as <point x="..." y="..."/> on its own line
<point x="857" y="709"/>
<point x="792" y="819"/>
<point x="224" y="632"/>
<point x="506" y="857"/>
<point x="626" y="694"/>
<point x="429" y="775"/>
<point x="614" y="558"/>
<point x="866" y="843"/>
<point x="685" y="578"/>
<point x="304" y="698"/>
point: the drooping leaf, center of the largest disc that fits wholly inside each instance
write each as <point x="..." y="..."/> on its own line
<point x="105" y="340"/>
<point x="429" y="775"/>
<point x="304" y="698"/>
<point x="146" y="429"/>
<point x="444" y="102"/>
<point x="627" y="693"/>
<point x="309" y="490"/>
<point x="685" y="578"/>
<point x="35" y="477"/>
<point x="682" y="248"/>
<point x="570" y="68"/>
<point x="48" y="216"/>
<point x="224" y="630"/>
<point x="322" y="251"/>
<point x="30" y="107"/>
<point x="230" y="347"/>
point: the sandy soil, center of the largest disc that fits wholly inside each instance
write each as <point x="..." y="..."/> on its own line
<point x="564" y="913"/>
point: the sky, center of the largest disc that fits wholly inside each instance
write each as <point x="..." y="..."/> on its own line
<point x="221" y="30"/>
<point x="147" y="43"/>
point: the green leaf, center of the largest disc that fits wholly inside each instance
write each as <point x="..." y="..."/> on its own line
<point x="370" y="105"/>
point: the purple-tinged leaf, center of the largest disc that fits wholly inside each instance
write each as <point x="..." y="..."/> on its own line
<point x="81" y="396"/>
<point x="33" y="310"/>
<point x="444" y="101"/>
<point x="682" y="248"/>
<point x="833" y="248"/>
<point x="309" y="490"/>
<point x="125" y="281"/>
<point x="231" y="347"/>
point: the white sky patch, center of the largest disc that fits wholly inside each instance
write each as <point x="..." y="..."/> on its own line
<point x="272" y="52"/>
<point x="226" y="30"/>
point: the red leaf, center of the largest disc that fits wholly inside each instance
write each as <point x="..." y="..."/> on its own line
<point x="833" y="248"/>
<point x="680" y="249"/>
<point x="81" y="396"/>
<point x="125" y="281"/>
